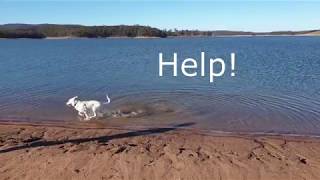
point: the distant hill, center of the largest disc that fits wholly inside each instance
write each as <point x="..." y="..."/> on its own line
<point x="58" y="31"/>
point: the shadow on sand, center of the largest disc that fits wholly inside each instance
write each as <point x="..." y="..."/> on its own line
<point x="100" y="139"/>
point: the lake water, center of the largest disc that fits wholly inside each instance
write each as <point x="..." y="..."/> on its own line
<point x="276" y="87"/>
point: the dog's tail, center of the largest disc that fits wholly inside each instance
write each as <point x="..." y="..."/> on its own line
<point x="108" y="100"/>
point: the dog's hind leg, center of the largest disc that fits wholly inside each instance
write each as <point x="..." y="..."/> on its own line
<point x="94" y="114"/>
<point x="87" y="117"/>
<point x="94" y="111"/>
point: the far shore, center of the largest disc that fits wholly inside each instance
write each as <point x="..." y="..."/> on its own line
<point x="146" y="37"/>
<point x="96" y="151"/>
<point x="113" y="37"/>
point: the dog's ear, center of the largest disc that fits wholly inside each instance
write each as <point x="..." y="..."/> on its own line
<point x="75" y="97"/>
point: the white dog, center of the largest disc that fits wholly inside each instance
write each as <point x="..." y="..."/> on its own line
<point x="83" y="107"/>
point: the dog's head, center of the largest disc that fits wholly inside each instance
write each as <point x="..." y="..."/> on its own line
<point x="72" y="101"/>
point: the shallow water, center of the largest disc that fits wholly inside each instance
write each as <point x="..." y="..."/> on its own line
<point x="276" y="87"/>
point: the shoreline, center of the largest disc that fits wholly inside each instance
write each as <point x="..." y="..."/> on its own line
<point x="89" y="150"/>
<point x="106" y="125"/>
<point x="168" y="37"/>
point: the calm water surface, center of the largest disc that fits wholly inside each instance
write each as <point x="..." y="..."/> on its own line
<point x="276" y="87"/>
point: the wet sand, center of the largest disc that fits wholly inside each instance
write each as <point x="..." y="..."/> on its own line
<point x="95" y="151"/>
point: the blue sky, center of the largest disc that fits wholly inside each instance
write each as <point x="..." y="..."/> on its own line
<point x="208" y="15"/>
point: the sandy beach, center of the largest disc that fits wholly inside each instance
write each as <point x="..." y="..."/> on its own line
<point x="95" y="151"/>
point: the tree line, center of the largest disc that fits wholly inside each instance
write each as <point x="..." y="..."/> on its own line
<point x="55" y="30"/>
<point x="52" y="30"/>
